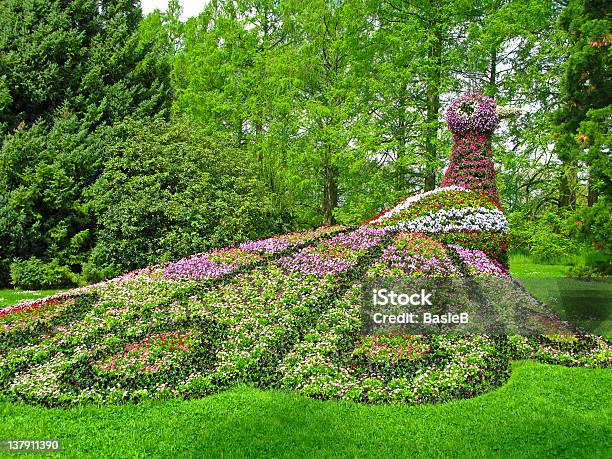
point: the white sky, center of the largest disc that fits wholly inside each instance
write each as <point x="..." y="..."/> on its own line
<point x="190" y="7"/>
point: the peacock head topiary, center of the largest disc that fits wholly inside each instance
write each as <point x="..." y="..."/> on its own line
<point x="472" y="113"/>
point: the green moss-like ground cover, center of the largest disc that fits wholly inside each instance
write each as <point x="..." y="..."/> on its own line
<point x="543" y="411"/>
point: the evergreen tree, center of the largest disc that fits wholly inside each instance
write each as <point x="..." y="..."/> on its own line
<point x="587" y="96"/>
<point x="70" y="72"/>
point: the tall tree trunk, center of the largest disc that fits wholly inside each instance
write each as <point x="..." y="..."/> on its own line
<point x="330" y="194"/>
<point x="567" y="187"/>
<point x="593" y="192"/>
<point x="493" y="72"/>
<point x="400" y="168"/>
<point x="433" y="108"/>
<point x="239" y="133"/>
<point x="258" y="136"/>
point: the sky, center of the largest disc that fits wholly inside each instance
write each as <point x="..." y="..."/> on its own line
<point x="190" y="7"/>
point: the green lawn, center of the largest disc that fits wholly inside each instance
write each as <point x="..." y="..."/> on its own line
<point x="523" y="267"/>
<point x="543" y="411"/>
<point x="585" y="303"/>
<point x="10" y="296"/>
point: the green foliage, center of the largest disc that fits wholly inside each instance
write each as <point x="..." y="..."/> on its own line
<point x="592" y="225"/>
<point x="170" y="190"/>
<point x="581" y="122"/>
<point x="36" y="274"/>
<point x="546" y="238"/>
<point x="85" y="58"/>
<point x="582" y="272"/>
<point x="579" y="238"/>
<point x="43" y="178"/>
<point x="547" y="246"/>
<point x="68" y="74"/>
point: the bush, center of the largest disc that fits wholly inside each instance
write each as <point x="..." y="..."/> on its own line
<point x="546" y="238"/>
<point x="171" y="191"/>
<point x="547" y="246"/>
<point x="36" y="274"/>
<point x="582" y="272"/>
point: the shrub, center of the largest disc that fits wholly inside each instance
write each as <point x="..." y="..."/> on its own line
<point x="36" y="274"/>
<point x="547" y="246"/>
<point x="171" y="191"/>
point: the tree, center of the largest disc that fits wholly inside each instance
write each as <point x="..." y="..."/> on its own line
<point x="424" y="40"/>
<point x="70" y="71"/>
<point x="587" y="93"/>
<point x="84" y="58"/>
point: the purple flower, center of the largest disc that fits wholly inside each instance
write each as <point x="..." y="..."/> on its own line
<point x="210" y="265"/>
<point x="310" y="261"/>
<point x="270" y="245"/>
<point x="478" y="262"/>
<point x="472" y="113"/>
<point x="335" y="255"/>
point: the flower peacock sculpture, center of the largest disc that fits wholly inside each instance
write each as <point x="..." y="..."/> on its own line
<point x="465" y="209"/>
<point x="286" y="312"/>
<point x="472" y="119"/>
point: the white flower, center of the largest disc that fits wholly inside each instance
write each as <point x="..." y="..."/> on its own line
<point x="466" y="219"/>
<point x="413" y="199"/>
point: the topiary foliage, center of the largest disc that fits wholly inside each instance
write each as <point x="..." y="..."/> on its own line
<point x="465" y="209"/>
<point x="472" y="119"/>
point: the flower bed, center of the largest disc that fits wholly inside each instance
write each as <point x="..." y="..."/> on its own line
<point x="220" y="262"/>
<point x="335" y="255"/>
<point x="156" y="353"/>
<point x="453" y="215"/>
<point x="477" y="262"/>
<point x="466" y="219"/>
<point x="409" y="201"/>
<point x="493" y="244"/>
<point x="211" y="265"/>
<point x="30" y="314"/>
<point x="333" y="362"/>
<point x="287" y="241"/>
<point x="292" y="320"/>
<point x="568" y="350"/>
<point x="413" y="254"/>
<point x="443" y="198"/>
<point x="115" y="315"/>
<point x="266" y="311"/>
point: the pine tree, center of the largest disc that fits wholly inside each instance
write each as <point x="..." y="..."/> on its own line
<point x="587" y="92"/>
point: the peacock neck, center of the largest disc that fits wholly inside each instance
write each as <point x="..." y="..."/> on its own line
<point x="471" y="164"/>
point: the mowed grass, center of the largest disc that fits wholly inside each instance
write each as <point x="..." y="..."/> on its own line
<point x="585" y="303"/>
<point x="543" y="411"/>
<point x="524" y="267"/>
<point x="10" y="296"/>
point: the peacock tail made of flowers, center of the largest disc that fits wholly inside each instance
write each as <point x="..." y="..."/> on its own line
<point x="286" y="312"/>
